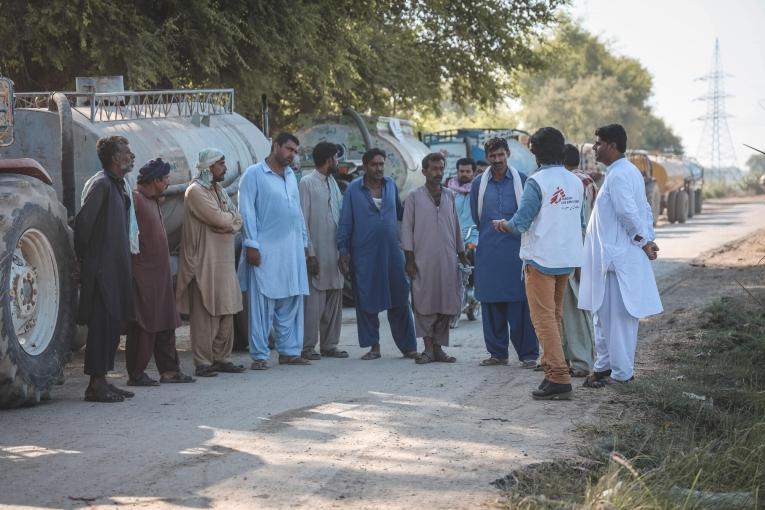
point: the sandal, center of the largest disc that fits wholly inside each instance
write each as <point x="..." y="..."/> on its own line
<point x="371" y="355"/>
<point x="424" y="358"/>
<point x="596" y="380"/>
<point x="411" y="354"/>
<point x="442" y="357"/>
<point x="311" y="355"/>
<point x="293" y="360"/>
<point x="205" y="371"/>
<point x="259" y="364"/>
<point x="577" y="372"/>
<point x="179" y="377"/>
<point x="120" y="391"/>
<point x="227" y="367"/>
<point x="529" y="363"/>
<point x="334" y="353"/>
<point x="144" y="380"/>
<point x="105" y="395"/>
<point x="490" y="362"/>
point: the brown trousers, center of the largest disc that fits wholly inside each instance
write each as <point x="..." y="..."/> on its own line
<point x="212" y="336"/>
<point x="141" y="344"/>
<point x="545" y="296"/>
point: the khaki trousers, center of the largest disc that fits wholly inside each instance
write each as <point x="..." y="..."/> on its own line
<point x="323" y="317"/>
<point x="212" y="336"/>
<point x="545" y="296"/>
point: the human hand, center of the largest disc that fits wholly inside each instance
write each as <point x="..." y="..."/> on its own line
<point x="253" y="257"/>
<point x="501" y="225"/>
<point x="651" y="250"/>
<point x="344" y="263"/>
<point x="411" y="269"/>
<point x="312" y="264"/>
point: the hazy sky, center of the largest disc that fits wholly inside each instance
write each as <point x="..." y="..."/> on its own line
<point x="674" y="40"/>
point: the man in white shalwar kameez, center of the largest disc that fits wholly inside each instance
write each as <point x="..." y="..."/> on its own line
<point x="617" y="282"/>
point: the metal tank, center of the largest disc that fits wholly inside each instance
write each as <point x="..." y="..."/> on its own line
<point x="172" y="124"/>
<point x="355" y="134"/>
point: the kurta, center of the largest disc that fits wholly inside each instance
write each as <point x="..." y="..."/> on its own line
<point x="370" y="236"/>
<point x="497" y="264"/>
<point x="433" y="234"/>
<point x="469" y="230"/>
<point x="274" y="224"/>
<point x="102" y="244"/>
<point x="153" y="294"/>
<point x="315" y="200"/>
<point x="621" y="212"/>
<point x="208" y="256"/>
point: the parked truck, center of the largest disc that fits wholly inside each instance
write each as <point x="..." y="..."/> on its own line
<point x="47" y="152"/>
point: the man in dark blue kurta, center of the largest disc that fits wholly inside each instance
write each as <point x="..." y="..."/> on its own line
<point x="498" y="284"/>
<point x="368" y="243"/>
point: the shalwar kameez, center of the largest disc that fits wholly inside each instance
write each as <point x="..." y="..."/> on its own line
<point x="274" y="225"/>
<point x="617" y="282"/>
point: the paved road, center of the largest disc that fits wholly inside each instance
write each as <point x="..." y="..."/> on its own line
<point x="337" y="434"/>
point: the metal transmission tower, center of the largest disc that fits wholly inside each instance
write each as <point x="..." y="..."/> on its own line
<point x="716" y="144"/>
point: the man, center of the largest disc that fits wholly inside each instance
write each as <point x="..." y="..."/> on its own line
<point x="549" y="220"/>
<point x="498" y="278"/>
<point x="207" y="288"/>
<point x="481" y="167"/>
<point x="321" y="200"/>
<point x="272" y="266"/>
<point x="432" y="242"/>
<point x="466" y="169"/>
<point x="368" y="243"/>
<point x="617" y="282"/>
<point x="102" y="243"/>
<point x="577" y="328"/>
<point x="156" y="315"/>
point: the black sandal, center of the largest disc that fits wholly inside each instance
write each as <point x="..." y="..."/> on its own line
<point x="205" y="371"/>
<point x="179" y="377"/>
<point x="105" y="395"/>
<point x="120" y="391"/>
<point x="144" y="380"/>
<point x="227" y="367"/>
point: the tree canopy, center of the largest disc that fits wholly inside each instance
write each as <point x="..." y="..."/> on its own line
<point x="309" y="57"/>
<point x="584" y="85"/>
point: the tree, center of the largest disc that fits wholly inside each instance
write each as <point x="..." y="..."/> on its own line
<point x="309" y="57"/>
<point x="583" y="85"/>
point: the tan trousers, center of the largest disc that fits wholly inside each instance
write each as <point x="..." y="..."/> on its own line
<point x="434" y="326"/>
<point x="322" y="318"/>
<point x="545" y="296"/>
<point x="212" y="336"/>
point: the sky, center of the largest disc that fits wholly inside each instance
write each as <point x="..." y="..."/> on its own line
<point x="674" y="40"/>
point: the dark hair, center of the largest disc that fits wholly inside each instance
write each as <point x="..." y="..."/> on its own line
<point x="547" y="145"/>
<point x="285" y="137"/>
<point x="613" y="133"/>
<point x="496" y="143"/>
<point x="107" y="147"/>
<point x="570" y="155"/>
<point x="482" y="162"/>
<point x="433" y="156"/>
<point x="466" y="161"/>
<point x="371" y="153"/>
<point x="322" y="152"/>
<point x="153" y="170"/>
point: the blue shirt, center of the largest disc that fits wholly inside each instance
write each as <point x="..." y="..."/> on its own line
<point x="498" y="267"/>
<point x="371" y="237"/>
<point x="462" y="203"/>
<point x="273" y="223"/>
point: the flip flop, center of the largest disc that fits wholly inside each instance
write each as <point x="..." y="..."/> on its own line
<point x="293" y="360"/>
<point x="311" y="355"/>
<point x="120" y="391"/>
<point x="179" y="377"/>
<point x="411" y="355"/>
<point x="490" y="362"/>
<point x="259" y="364"/>
<point x="424" y="358"/>
<point x="371" y="355"/>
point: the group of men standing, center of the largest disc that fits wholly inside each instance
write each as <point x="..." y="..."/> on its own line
<point x="301" y="242"/>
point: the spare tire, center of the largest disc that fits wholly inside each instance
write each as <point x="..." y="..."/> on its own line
<point x="681" y="206"/>
<point x="37" y="319"/>
<point x="671" y="209"/>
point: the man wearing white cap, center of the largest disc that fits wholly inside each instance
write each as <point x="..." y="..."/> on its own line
<point x="207" y="288"/>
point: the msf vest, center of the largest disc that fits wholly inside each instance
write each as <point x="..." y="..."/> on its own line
<point x="554" y="239"/>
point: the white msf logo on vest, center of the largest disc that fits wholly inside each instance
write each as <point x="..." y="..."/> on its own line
<point x="554" y="239"/>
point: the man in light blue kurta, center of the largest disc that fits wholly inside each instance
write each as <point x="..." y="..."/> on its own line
<point x="272" y="267"/>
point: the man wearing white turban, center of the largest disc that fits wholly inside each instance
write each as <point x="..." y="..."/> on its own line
<point x="207" y="288"/>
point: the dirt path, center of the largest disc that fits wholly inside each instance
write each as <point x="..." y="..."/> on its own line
<point x="338" y="434"/>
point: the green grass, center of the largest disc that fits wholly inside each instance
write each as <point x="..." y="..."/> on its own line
<point x="671" y="442"/>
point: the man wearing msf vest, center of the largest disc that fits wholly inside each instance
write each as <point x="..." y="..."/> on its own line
<point x="549" y="220"/>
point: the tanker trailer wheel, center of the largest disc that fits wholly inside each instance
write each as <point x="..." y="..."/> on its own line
<point x="691" y="202"/>
<point x="671" y="209"/>
<point x="37" y="318"/>
<point x="681" y="206"/>
<point x="654" y="199"/>
<point x="699" y="198"/>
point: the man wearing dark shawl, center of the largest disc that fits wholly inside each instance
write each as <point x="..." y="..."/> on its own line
<point x="156" y="317"/>
<point x="102" y="244"/>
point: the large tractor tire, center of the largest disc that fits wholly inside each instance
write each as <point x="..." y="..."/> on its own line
<point x="698" y="200"/>
<point x="37" y="310"/>
<point x="691" y="203"/>
<point x="681" y="206"/>
<point x="671" y="209"/>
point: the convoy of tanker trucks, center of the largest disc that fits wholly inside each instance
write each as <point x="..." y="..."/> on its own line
<point x="47" y="152"/>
